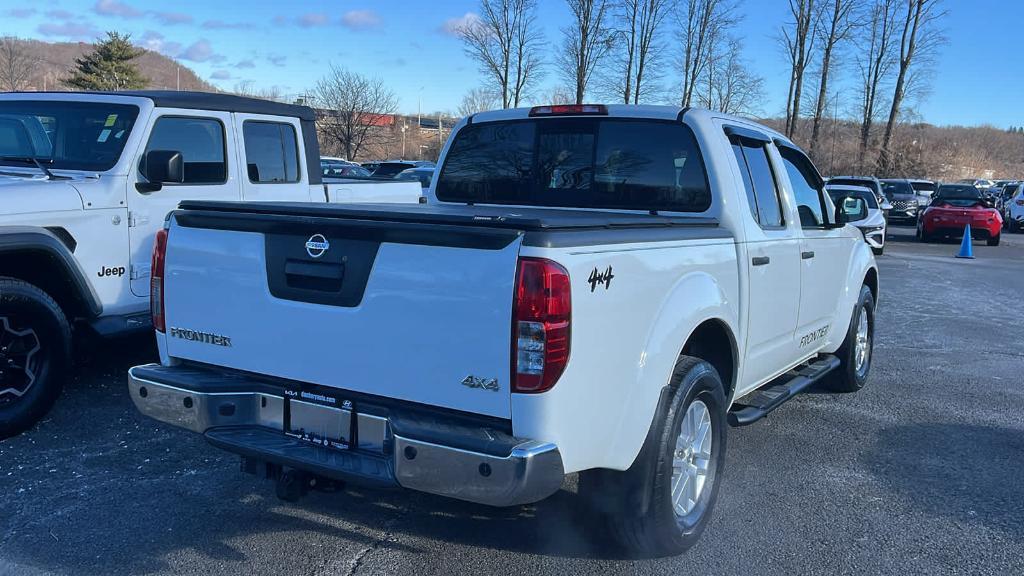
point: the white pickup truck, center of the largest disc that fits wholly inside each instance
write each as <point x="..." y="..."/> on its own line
<point x="86" y="180"/>
<point x="601" y="290"/>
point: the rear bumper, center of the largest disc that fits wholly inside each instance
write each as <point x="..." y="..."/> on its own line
<point x="386" y="449"/>
<point x="978" y="232"/>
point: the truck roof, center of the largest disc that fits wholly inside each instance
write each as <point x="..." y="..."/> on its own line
<point x="196" y="101"/>
<point x="653" y="112"/>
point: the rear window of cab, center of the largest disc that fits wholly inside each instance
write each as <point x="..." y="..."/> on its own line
<point x="589" y="162"/>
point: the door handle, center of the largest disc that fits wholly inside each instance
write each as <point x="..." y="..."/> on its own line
<point x="760" y="260"/>
<point x="807" y="255"/>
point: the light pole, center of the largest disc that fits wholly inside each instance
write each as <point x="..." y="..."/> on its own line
<point x="404" y="128"/>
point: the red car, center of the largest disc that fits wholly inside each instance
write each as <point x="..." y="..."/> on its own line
<point x="955" y="206"/>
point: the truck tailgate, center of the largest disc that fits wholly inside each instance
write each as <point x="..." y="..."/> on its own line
<point x="394" y="309"/>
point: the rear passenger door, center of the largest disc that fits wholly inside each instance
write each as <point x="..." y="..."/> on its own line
<point x="272" y="158"/>
<point x="202" y="138"/>
<point x="773" y="262"/>
<point x="824" y="253"/>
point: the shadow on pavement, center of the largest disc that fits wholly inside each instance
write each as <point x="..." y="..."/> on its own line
<point x="972" y="474"/>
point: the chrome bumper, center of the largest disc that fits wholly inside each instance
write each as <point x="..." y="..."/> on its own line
<point x="530" y="472"/>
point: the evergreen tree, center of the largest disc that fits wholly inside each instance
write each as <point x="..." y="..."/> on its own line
<point x="109" y="66"/>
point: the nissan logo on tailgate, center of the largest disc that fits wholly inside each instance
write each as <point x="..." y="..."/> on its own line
<point x="317" y="245"/>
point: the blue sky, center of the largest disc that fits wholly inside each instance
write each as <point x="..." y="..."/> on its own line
<point x="977" y="78"/>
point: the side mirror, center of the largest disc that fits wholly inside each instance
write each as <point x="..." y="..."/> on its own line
<point x="161" y="167"/>
<point x="850" y="209"/>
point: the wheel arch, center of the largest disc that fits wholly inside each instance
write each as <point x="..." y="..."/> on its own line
<point x="41" y="258"/>
<point x="696" y="315"/>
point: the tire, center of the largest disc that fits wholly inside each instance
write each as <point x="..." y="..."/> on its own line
<point x="35" y="355"/>
<point x="637" y="504"/>
<point x="922" y="237"/>
<point x="878" y="251"/>
<point x="852" y="374"/>
<point x="993" y="241"/>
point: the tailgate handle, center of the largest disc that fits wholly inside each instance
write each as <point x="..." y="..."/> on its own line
<point x="325" y="277"/>
<point x="323" y="270"/>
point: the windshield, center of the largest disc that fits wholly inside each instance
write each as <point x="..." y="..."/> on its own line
<point x="893" y="187"/>
<point x="64" y="135"/>
<point x="923" y="186"/>
<point x="389" y="169"/>
<point x="865" y="182"/>
<point x="577" y="162"/>
<point x="423" y="176"/>
<point x="868" y="197"/>
<point x="958" y="195"/>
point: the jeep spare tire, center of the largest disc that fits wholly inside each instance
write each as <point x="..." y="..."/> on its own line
<point x="35" y="354"/>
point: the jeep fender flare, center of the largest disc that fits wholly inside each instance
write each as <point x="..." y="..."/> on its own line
<point x="43" y="243"/>
<point x="700" y="297"/>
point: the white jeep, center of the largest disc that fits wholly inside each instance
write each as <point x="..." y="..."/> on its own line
<point x="86" y="180"/>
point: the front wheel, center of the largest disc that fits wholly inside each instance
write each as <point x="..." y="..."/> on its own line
<point x="856" y="351"/>
<point x="662" y="503"/>
<point x="35" y="353"/>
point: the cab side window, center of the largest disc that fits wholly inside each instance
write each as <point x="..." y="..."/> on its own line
<point x="271" y="152"/>
<point x="759" y="181"/>
<point x="200" y="142"/>
<point x="807" y="188"/>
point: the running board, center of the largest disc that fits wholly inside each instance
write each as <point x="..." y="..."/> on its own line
<point x="758" y="404"/>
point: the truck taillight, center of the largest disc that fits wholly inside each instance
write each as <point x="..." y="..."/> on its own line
<point x="156" y="279"/>
<point x="541" y="316"/>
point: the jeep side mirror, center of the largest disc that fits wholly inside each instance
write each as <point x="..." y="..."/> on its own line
<point x="161" y="167"/>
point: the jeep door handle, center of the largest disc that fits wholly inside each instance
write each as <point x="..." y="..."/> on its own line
<point x="807" y="255"/>
<point x="760" y="260"/>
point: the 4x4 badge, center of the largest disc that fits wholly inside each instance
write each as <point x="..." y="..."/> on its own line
<point x="482" y="383"/>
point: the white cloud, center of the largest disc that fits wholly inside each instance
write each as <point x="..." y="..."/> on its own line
<point x="69" y="30"/>
<point x="198" y="51"/>
<point x="221" y="75"/>
<point x="360" y="19"/>
<point x="452" y="26"/>
<point x="172" y="18"/>
<point x="313" y="19"/>
<point x="116" y="8"/>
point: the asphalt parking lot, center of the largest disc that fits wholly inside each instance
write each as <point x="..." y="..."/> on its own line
<point x="922" y="472"/>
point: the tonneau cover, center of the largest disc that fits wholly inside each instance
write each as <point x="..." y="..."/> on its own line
<point x="513" y="217"/>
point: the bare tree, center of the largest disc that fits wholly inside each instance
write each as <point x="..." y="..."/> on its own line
<point x="700" y="24"/>
<point x="841" y="22"/>
<point x="874" y="63"/>
<point x="799" y="43"/>
<point x="917" y="27"/>
<point x="16" y="64"/>
<point x="477" y="100"/>
<point x="505" y="40"/>
<point x="635" y="48"/>
<point x="731" y="86"/>
<point x="355" y="109"/>
<point x="248" y="89"/>
<point x="585" y="43"/>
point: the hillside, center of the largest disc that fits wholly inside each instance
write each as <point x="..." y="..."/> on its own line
<point x="56" y="58"/>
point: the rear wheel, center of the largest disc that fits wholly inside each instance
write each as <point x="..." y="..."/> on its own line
<point x="858" y="347"/>
<point x="922" y="236"/>
<point x="993" y="241"/>
<point x="662" y="503"/>
<point x="35" y="353"/>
